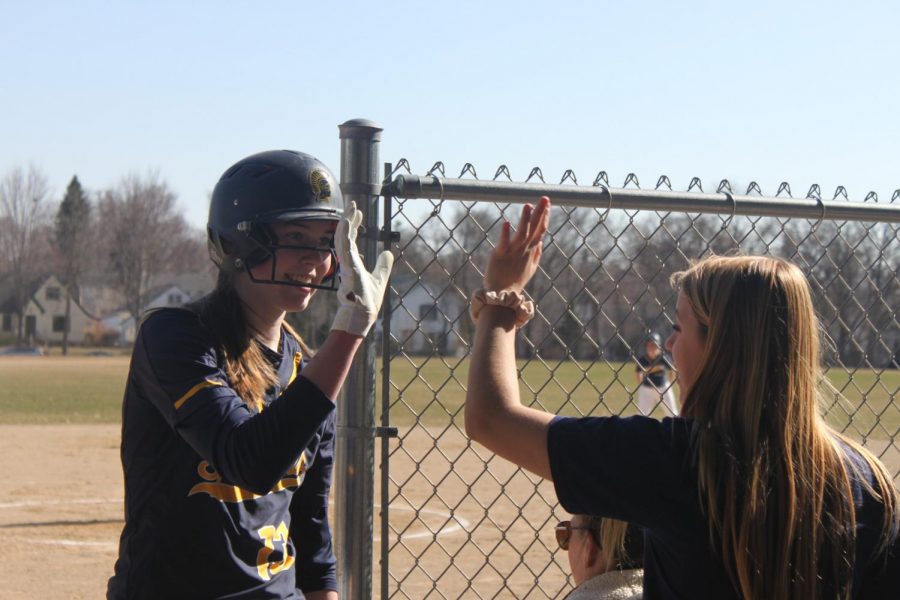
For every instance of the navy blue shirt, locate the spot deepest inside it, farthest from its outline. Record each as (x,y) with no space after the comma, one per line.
(221,501)
(636,469)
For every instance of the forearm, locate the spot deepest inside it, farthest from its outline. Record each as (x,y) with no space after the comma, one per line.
(329,367)
(322,595)
(493,378)
(258,451)
(494,415)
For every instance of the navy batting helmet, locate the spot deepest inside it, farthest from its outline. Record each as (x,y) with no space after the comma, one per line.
(269,187)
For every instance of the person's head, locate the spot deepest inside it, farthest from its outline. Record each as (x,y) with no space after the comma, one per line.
(596,545)
(745,332)
(272,218)
(271,227)
(653,345)
(745,345)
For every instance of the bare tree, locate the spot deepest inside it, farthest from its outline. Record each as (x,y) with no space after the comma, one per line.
(461,242)
(144,235)
(73,235)
(24,215)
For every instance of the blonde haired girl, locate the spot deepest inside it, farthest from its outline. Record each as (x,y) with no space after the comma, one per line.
(750,495)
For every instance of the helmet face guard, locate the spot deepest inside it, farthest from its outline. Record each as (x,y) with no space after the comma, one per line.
(266,188)
(270,252)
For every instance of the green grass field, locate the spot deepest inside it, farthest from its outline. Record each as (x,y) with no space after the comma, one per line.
(88,389)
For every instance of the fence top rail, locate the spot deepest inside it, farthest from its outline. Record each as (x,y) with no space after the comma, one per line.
(602,197)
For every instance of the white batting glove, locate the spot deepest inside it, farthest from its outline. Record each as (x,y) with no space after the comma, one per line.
(360,293)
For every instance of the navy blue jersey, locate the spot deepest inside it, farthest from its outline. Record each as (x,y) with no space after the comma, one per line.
(636,469)
(655,370)
(221,501)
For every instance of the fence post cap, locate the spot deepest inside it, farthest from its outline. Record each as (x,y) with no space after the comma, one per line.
(360,129)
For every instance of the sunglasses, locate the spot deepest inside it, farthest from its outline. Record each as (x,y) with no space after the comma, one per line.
(563,532)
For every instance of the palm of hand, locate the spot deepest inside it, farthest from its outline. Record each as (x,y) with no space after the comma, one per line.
(516,257)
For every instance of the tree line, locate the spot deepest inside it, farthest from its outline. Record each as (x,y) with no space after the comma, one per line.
(603,288)
(604,283)
(126,235)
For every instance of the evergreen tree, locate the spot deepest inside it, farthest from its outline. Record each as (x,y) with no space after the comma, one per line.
(72,234)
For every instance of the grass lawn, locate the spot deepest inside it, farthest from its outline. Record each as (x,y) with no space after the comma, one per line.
(88,389)
(62,389)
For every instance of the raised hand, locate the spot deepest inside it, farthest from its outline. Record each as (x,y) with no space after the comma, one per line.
(360,293)
(515,258)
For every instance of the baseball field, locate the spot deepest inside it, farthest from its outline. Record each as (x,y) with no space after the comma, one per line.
(462,523)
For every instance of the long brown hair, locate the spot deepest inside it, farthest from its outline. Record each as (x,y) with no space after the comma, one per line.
(248,370)
(773,477)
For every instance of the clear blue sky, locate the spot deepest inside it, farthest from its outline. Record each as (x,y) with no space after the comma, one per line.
(802,91)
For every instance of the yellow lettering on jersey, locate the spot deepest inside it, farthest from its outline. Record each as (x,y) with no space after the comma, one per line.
(190,393)
(294,477)
(270,535)
(215,487)
(298,358)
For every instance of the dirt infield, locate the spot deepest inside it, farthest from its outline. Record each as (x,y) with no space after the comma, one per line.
(61,515)
(60,510)
(466,524)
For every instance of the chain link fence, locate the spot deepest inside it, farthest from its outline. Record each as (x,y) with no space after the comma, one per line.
(457,522)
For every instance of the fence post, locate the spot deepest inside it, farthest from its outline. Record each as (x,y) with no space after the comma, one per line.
(354,492)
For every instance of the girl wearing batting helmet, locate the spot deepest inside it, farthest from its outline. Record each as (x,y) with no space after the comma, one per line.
(749,494)
(228,418)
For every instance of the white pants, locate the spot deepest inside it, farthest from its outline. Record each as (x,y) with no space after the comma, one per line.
(649,396)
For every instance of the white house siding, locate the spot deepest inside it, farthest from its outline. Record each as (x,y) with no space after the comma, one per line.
(421,323)
(49,302)
(122,322)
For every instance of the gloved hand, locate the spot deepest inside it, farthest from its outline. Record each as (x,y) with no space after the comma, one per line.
(360,293)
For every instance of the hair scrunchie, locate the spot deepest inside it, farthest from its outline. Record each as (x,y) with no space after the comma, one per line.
(516,301)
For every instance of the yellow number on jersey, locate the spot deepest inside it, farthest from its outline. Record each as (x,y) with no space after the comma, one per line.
(270,535)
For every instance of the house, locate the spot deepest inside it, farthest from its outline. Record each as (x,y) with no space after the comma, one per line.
(426,314)
(161,296)
(44,313)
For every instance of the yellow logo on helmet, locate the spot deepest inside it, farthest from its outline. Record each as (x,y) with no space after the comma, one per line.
(321,187)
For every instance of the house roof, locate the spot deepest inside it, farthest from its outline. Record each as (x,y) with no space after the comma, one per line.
(8,300)
(159,290)
(195,284)
(192,285)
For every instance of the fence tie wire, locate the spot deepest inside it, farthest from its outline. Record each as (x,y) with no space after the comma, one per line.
(821,204)
(437,209)
(730,198)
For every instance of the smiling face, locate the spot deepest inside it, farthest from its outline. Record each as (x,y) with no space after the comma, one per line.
(686,343)
(307,261)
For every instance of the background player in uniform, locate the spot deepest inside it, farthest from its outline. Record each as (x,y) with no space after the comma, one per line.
(750,495)
(652,373)
(228,419)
